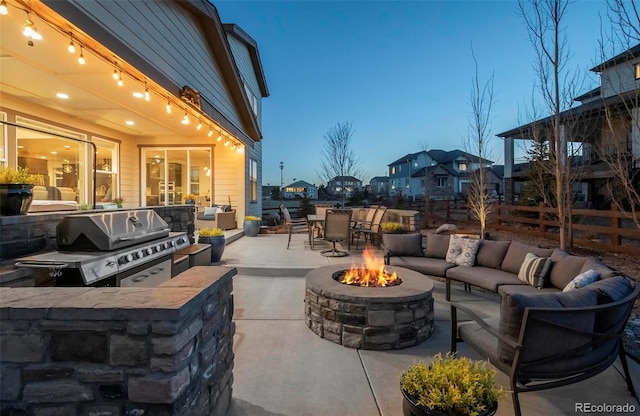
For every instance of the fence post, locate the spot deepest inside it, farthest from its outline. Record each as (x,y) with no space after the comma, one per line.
(616,239)
(541,227)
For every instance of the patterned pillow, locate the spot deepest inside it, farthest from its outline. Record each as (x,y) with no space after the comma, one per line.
(462,251)
(582,280)
(535,270)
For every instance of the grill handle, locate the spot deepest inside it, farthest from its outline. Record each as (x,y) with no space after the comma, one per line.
(41,264)
(134,238)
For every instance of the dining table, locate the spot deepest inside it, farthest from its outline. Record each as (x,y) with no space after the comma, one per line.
(316,225)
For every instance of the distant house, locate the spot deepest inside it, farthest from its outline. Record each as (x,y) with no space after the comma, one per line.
(343,185)
(606,124)
(440,174)
(299,189)
(379,187)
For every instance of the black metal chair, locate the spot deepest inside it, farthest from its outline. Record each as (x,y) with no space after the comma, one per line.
(297,226)
(553,346)
(337,227)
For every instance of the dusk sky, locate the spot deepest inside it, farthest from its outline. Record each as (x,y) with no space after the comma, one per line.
(399,71)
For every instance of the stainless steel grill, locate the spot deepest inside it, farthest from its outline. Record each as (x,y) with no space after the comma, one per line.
(122,248)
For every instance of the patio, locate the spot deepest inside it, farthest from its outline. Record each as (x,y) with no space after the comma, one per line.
(283,368)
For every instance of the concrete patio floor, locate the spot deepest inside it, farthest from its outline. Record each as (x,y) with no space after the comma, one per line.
(283,368)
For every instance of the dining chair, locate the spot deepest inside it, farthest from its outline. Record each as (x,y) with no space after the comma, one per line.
(370,229)
(337,227)
(297,226)
(321,212)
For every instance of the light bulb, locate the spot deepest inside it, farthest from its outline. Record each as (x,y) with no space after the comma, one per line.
(199,124)
(3,8)
(185,119)
(81,60)
(168,105)
(115,73)
(227,143)
(120,81)
(219,137)
(71,48)
(30,29)
(147,96)
(240,150)
(210,131)
(234,146)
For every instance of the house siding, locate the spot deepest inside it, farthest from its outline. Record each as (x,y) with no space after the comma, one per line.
(184,58)
(619,79)
(245,66)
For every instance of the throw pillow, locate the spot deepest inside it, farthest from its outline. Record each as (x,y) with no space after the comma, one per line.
(437,245)
(535,270)
(582,280)
(210,211)
(462,251)
(219,210)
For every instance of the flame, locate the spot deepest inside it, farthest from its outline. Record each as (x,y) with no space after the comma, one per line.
(370,273)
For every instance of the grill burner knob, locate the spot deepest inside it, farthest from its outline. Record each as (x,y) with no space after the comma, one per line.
(171,243)
(162,246)
(146,251)
(136,255)
(125,259)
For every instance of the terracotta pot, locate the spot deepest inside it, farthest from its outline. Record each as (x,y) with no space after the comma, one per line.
(410,408)
(15,199)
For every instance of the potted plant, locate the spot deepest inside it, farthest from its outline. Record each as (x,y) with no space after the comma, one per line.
(214,237)
(392,227)
(190,199)
(16,190)
(118,201)
(251,225)
(450,386)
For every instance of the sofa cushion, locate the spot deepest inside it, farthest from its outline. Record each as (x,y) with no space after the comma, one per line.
(582,280)
(462,251)
(424,265)
(535,270)
(610,290)
(512,308)
(604,271)
(491,253)
(565,267)
(516,254)
(521,288)
(437,245)
(403,244)
(484,277)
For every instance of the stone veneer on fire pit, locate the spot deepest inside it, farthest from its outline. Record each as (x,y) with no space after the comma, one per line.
(372,318)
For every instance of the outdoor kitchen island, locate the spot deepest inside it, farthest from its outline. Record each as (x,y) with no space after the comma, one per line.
(119,350)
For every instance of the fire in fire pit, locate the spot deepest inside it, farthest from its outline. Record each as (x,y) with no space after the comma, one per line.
(370,273)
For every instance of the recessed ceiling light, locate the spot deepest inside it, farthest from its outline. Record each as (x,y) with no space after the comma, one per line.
(138,94)
(20,147)
(43,157)
(62,96)
(67,147)
(129,123)
(54,153)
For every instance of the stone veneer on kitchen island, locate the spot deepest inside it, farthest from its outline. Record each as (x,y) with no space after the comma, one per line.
(119,351)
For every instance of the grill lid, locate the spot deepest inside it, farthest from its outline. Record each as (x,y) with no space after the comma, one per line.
(110,230)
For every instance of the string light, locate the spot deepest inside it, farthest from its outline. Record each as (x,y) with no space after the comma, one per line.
(71,48)
(199,123)
(81,60)
(115,72)
(185,119)
(220,137)
(227,142)
(3,8)
(120,81)
(147,96)
(30,29)
(210,131)
(168,105)
(240,150)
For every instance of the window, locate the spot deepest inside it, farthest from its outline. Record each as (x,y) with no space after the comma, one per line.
(253,100)
(253,179)
(415,164)
(3,140)
(462,166)
(406,183)
(441,181)
(393,170)
(637,70)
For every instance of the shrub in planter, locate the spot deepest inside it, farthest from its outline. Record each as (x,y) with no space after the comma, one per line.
(450,386)
(392,228)
(16,190)
(251,225)
(214,237)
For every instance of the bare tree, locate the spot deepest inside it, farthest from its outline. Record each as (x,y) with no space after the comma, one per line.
(557,85)
(625,16)
(339,160)
(477,142)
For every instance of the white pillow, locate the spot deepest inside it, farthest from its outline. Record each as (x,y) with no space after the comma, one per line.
(210,211)
(462,251)
(219,210)
(582,280)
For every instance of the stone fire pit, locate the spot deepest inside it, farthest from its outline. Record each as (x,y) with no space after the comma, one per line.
(373,318)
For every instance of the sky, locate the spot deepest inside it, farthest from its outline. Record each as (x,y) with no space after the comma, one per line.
(399,71)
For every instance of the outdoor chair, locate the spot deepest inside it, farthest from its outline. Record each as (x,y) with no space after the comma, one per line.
(369,229)
(321,212)
(296,226)
(337,227)
(547,340)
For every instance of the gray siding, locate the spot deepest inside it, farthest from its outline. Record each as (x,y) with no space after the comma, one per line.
(243,61)
(167,36)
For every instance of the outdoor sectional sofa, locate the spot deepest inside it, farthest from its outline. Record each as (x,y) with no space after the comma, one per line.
(566,330)
(496,265)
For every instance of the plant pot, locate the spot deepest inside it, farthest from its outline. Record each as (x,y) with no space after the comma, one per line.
(217,246)
(190,201)
(251,228)
(15,199)
(411,408)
